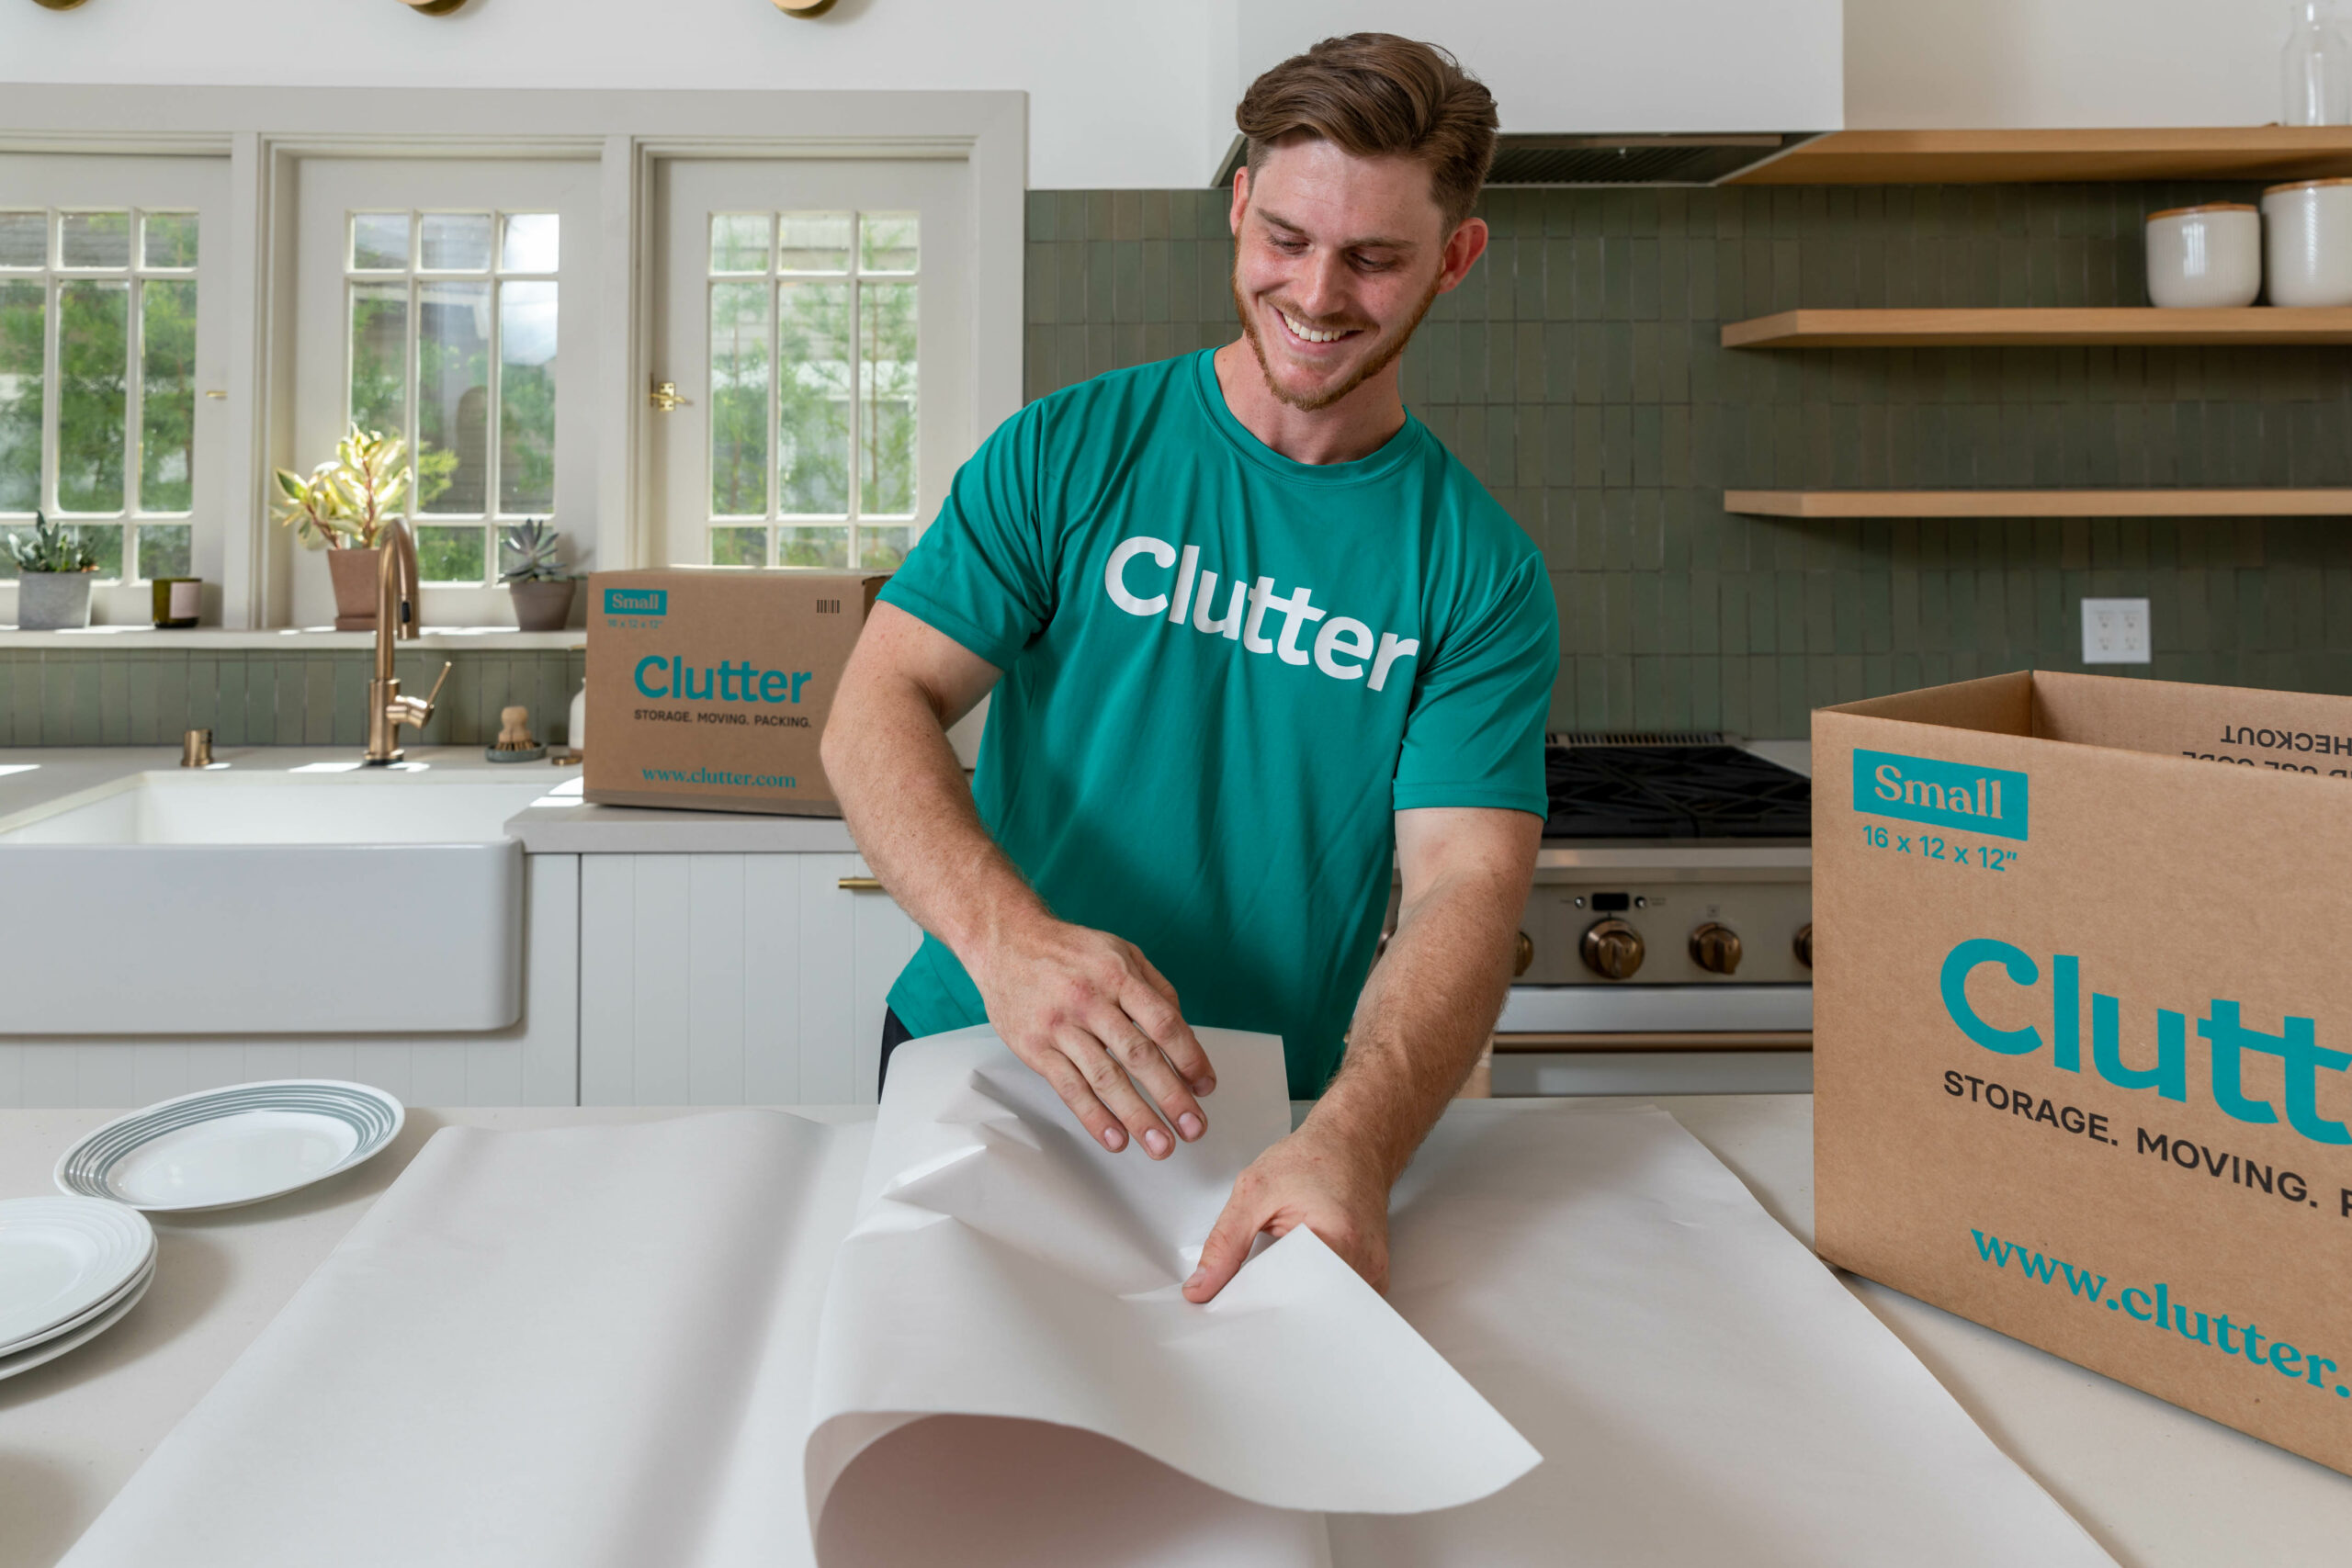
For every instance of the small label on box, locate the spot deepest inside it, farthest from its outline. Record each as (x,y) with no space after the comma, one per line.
(1944,795)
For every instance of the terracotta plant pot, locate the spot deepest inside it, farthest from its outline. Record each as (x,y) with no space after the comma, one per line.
(352,572)
(542,606)
(53,601)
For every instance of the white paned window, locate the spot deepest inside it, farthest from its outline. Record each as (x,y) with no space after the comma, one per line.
(814,369)
(449,321)
(97,382)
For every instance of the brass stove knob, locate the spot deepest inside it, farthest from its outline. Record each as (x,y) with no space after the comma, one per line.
(1612,949)
(1715,947)
(1804,944)
(1522,954)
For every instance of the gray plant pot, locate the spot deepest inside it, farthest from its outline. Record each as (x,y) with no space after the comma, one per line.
(53,601)
(542,606)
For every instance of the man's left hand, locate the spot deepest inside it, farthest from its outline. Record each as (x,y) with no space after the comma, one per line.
(1312,1178)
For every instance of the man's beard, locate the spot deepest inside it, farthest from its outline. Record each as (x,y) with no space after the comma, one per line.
(1379,360)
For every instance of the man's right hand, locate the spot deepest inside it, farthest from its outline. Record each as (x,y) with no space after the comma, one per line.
(1087,1012)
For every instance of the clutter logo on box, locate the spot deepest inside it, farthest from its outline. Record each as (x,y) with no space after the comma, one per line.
(2228,1035)
(1944,795)
(637,602)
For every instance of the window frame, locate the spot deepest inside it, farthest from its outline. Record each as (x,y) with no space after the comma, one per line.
(135,182)
(54,272)
(262,137)
(329,191)
(416,276)
(855,277)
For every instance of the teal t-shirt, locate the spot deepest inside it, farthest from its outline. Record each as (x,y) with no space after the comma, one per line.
(1224,670)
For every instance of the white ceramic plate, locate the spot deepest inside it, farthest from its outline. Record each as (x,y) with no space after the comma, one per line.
(50,1349)
(221,1148)
(61,1257)
(137,1283)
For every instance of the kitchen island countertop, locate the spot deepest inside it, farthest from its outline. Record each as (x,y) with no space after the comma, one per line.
(2158,1487)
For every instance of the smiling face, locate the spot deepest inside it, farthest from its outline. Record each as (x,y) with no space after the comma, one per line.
(1335,259)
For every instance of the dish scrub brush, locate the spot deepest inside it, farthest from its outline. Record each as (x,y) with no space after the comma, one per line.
(515,743)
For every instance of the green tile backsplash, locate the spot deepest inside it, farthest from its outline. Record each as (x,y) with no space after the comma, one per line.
(1579,372)
(151,696)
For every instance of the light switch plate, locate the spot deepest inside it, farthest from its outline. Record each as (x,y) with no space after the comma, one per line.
(2115,631)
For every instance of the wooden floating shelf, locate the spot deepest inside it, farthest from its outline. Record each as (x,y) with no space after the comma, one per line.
(2114,326)
(2039,502)
(1991,157)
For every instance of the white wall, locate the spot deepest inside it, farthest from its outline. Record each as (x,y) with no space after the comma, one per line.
(1598,65)
(1123,92)
(1139,93)
(1115,85)
(1997,63)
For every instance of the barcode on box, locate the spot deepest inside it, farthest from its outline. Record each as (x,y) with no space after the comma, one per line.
(828,606)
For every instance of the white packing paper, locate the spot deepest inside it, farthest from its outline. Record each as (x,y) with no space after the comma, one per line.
(1004,1264)
(1702,1388)
(745,1340)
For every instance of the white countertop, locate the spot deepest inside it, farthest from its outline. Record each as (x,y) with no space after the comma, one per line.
(646,830)
(35,776)
(287,638)
(50,771)
(2158,1487)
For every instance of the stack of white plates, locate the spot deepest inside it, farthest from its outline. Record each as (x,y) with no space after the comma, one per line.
(70,1270)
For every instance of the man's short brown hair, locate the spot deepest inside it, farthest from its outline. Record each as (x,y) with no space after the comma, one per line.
(1375,95)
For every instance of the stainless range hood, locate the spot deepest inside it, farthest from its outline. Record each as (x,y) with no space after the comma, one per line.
(1602,160)
(1589,92)
(1633,159)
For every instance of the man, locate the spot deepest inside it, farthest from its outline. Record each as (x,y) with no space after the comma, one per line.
(1249,629)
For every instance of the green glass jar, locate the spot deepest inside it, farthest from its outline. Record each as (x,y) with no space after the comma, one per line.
(179,600)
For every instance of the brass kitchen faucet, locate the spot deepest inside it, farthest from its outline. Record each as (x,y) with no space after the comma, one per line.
(396,598)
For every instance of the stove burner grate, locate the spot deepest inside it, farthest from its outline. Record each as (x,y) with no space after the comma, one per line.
(1673,792)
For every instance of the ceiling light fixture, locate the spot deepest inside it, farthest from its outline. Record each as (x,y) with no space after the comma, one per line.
(808,8)
(432,8)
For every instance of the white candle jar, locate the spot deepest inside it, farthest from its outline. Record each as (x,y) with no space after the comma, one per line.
(2206,257)
(2307,259)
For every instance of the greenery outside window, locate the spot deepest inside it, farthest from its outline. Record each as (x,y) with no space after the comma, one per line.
(813,377)
(97,382)
(450,319)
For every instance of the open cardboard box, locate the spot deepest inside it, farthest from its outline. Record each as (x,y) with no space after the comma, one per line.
(2082,1021)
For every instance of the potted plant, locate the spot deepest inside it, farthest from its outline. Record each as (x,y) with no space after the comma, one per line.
(344,505)
(54,570)
(541,588)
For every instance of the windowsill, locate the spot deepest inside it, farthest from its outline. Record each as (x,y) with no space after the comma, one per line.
(305,638)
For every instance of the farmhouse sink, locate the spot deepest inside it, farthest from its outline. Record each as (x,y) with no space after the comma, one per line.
(198,903)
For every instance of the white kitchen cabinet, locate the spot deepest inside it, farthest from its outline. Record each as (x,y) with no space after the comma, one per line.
(732,979)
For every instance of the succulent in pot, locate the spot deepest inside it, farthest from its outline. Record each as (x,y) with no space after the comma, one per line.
(346,503)
(54,570)
(534,577)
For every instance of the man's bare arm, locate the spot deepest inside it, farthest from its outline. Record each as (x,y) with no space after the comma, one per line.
(1066,999)
(1424,1017)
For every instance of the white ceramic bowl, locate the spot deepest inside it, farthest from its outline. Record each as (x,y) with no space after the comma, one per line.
(2308,260)
(2205,257)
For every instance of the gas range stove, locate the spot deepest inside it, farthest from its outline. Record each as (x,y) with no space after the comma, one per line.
(1673,897)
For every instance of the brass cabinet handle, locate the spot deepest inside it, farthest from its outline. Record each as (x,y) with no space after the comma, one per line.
(860,884)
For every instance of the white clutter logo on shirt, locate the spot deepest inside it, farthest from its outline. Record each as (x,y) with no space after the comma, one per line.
(1341,645)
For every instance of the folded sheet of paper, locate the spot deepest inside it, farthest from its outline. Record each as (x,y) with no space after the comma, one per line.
(954,1335)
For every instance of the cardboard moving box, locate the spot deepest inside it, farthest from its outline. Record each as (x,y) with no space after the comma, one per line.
(2083,1021)
(710,688)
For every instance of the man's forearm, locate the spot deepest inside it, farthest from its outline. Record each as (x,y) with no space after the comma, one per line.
(910,808)
(1084,1007)
(1425,1015)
